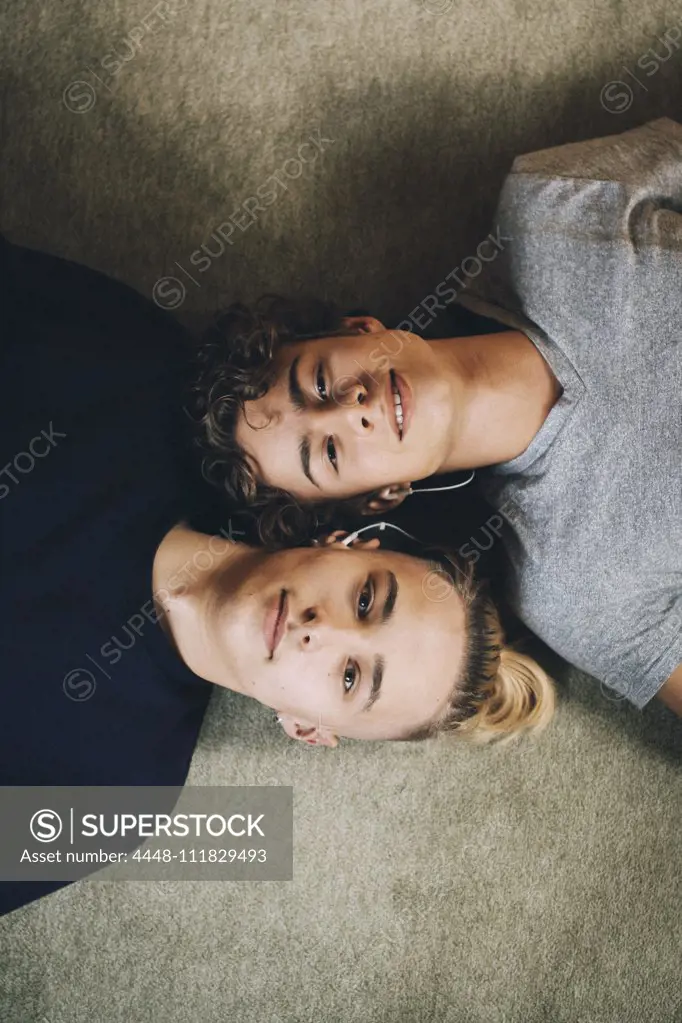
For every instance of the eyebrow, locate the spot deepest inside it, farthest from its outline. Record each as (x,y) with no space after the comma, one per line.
(391,598)
(304,452)
(296,395)
(377,679)
(297,399)
(379,662)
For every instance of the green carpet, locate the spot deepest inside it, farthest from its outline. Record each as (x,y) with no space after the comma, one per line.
(432,882)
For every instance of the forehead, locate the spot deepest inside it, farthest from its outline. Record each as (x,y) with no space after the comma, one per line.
(312,348)
(272,432)
(267,428)
(429,613)
(342,350)
(423,646)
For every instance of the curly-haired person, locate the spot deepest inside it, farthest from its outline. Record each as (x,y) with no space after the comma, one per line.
(571,411)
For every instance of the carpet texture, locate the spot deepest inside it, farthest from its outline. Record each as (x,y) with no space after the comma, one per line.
(433,882)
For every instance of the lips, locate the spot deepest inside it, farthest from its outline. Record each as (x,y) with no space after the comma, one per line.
(400,403)
(275,622)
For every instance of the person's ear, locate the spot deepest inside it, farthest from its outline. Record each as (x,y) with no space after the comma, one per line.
(312,735)
(363,324)
(387,499)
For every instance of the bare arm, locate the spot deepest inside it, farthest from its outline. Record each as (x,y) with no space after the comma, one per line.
(671,691)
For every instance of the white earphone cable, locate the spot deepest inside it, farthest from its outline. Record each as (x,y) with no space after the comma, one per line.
(435,490)
(381,526)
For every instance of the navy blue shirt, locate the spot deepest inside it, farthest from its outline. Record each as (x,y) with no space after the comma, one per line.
(94,470)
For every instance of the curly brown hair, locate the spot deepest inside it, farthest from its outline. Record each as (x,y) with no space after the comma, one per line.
(235,364)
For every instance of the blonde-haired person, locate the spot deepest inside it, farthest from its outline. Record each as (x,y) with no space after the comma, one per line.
(350,640)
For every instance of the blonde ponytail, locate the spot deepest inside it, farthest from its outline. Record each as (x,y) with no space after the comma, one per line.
(501,692)
(520,697)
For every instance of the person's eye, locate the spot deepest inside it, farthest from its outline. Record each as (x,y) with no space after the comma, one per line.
(350,676)
(366,599)
(321,384)
(331,452)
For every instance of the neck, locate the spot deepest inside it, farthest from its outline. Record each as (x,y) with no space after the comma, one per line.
(189,569)
(503,390)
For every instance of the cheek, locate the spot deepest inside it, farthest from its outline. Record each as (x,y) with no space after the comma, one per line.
(305,684)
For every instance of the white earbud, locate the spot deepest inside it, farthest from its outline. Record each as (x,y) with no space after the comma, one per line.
(381,526)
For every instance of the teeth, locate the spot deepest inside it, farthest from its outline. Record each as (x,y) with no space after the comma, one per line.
(398,409)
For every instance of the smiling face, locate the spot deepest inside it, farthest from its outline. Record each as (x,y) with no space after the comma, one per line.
(347,415)
(366,644)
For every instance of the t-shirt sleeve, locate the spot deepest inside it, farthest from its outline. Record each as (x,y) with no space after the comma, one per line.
(625,188)
(638,671)
(630,644)
(591,241)
(645,159)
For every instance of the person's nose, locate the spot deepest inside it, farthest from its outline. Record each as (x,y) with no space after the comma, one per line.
(307,630)
(312,629)
(353,404)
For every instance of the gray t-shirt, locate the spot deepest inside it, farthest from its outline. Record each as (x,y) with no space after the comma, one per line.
(591,271)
